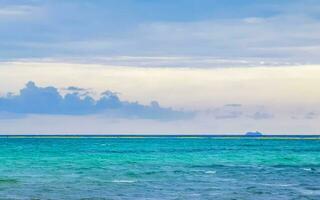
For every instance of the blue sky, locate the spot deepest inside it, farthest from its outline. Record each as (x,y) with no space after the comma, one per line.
(278,31)
(172,66)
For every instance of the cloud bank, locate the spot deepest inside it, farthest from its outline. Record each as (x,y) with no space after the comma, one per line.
(48,100)
(213,33)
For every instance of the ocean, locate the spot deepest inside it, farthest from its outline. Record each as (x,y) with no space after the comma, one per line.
(201,167)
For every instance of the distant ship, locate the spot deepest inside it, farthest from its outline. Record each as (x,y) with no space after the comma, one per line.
(254,134)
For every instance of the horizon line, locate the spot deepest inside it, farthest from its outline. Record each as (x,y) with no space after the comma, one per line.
(158,135)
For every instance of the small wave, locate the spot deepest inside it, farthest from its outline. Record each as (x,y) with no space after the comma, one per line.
(310,192)
(278,185)
(227,179)
(211,166)
(210,172)
(286,185)
(309,169)
(123,181)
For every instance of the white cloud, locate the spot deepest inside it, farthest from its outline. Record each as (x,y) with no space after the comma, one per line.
(254,20)
(288,34)
(285,38)
(17,11)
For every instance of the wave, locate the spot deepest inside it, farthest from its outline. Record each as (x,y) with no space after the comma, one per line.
(277,184)
(310,169)
(8,181)
(210,172)
(310,191)
(123,181)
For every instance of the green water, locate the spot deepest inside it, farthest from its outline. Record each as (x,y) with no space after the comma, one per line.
(159,168)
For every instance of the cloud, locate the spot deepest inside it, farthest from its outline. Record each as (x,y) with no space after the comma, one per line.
(17,12)
(47,100)
(228,111)
(261,115)
(229,115)
(75,89)
(311,115)
(227,38)
(213,33)
(305,115)
(233,105)
(239,111)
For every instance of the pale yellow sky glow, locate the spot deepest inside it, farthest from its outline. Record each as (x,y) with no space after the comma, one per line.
(274,100)
(190,88)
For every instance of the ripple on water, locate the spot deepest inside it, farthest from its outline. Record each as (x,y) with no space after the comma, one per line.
(210,172)
(310,191)
(311,169)
(6,181)
(123,181)
(277,185)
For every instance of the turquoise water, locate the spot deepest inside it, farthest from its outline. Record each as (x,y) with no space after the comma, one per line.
(159,168)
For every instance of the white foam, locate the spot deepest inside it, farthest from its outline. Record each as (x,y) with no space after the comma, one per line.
(277,185)
(310,192)
(210,172)
(123,181)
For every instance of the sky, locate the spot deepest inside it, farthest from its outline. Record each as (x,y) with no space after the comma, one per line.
(159,67)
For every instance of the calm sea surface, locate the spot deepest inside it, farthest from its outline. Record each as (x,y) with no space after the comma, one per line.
(159,168)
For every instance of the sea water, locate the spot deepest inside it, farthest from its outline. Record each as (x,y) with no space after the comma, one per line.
(159,168)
